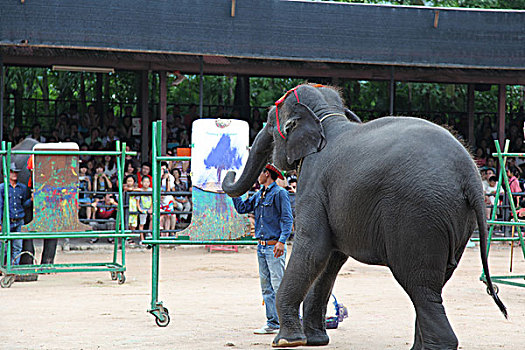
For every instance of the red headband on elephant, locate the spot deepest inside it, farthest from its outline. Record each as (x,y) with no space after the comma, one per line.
(281,100)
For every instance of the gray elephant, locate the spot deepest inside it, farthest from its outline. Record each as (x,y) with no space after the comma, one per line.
(399,192)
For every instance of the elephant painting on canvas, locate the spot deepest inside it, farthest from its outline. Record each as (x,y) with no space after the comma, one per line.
(397,191)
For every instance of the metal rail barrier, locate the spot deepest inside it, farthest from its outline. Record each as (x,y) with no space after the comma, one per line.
(120,233)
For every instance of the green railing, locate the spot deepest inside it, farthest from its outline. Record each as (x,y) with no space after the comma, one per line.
(120,234)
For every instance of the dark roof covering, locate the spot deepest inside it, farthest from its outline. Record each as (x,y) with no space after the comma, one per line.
(317,35)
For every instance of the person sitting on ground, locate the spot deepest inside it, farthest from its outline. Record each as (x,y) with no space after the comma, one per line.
(145,207)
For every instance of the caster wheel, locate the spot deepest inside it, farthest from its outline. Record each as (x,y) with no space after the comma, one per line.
(165,322)
(496,290)
(7,281)
(121,278)
(166,310)
(114,275)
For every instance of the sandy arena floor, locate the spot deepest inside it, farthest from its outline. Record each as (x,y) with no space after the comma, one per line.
(215,303)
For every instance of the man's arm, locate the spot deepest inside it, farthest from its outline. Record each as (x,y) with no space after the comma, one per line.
(286,219)
(244,206)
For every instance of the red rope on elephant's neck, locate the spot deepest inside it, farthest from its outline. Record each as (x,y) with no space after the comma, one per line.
(277,108)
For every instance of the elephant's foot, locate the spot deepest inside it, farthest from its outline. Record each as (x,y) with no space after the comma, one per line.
(316,337)
(290,341)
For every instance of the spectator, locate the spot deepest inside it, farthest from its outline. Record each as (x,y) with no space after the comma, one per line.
(36,133)
(73,113)
(292,184)
(130,185)
(183,138)
(145,171)
(125,129)
(91,168)
(144,206)
(94,138)
(74,134)
(182,202)
(110,139)
(191,116)
(130,170)
(101,182)
(167,202)
(91,117)
(490,192)
(110,169)
(128,110)
(109,119)
(84,157)
(513,173)
(105,210)
(480,158)
(84,186)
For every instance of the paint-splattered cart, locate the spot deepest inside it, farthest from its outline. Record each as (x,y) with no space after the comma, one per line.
(55,212)
(218,146)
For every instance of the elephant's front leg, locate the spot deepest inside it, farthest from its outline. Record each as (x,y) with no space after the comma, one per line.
(314,306)
(308,259)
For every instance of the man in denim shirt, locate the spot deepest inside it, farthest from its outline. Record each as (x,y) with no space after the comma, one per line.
(273,225)
(19,198)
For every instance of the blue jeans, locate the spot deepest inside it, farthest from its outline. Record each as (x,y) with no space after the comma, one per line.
(16,247)
(271,272)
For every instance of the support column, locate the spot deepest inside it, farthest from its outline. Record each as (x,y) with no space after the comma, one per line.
(2,88)
(470,114)
(502,102)
(242,96)
(163,106)
(145,117)
(201,86)
(392,91)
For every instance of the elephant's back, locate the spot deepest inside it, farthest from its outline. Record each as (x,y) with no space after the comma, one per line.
(396,167)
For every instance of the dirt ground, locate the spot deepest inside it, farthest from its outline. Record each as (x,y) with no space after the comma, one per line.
(215,303)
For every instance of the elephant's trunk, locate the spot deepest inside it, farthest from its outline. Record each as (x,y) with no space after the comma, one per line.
(259,154)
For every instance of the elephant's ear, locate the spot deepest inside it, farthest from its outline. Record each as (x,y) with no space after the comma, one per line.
(304,133)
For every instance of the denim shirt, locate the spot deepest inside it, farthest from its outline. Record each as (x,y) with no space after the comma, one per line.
(19,198)
(273,214)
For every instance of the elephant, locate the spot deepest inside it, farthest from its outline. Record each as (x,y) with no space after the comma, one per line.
(399,192)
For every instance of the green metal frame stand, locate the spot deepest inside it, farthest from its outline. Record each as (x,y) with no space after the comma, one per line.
(513,280)
(115,267)
(157,308)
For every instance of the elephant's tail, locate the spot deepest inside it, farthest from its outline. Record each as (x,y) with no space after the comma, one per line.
(479,207)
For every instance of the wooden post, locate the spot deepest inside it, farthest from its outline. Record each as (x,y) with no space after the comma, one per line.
(145,117)
(470,114)
(501,112)
(163,106)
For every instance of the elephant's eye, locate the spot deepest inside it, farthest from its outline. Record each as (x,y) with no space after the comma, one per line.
(289,126)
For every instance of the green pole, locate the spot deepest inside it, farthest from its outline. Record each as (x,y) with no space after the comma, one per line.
(121,170)
(155,223)
(6,205)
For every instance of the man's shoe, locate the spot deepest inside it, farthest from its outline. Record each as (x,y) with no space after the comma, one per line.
(266,330)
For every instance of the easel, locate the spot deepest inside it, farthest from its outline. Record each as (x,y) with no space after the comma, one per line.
(515,223)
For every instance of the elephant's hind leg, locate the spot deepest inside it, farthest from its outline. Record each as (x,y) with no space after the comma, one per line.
(433,330)
(315,303)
